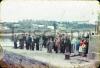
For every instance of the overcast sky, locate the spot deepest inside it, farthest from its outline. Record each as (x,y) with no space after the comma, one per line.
(15,10)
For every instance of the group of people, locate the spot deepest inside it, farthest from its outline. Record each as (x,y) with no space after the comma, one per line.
(26,41)
(60,43)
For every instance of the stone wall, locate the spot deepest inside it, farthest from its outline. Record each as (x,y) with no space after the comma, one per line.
(94,46)
(19,61)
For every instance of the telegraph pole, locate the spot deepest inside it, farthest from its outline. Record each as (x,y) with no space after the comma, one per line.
(98,25)
(98,22)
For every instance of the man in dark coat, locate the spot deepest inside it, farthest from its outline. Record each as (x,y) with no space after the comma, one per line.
(21,40)
(33,43)
(15,41)
(62,47)
(67,44)
(26,42)
(37,43)
(29,42)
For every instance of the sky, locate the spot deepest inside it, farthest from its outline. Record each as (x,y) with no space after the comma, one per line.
(15,10)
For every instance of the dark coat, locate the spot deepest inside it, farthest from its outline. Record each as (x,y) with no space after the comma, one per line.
(29,40)
(67,45)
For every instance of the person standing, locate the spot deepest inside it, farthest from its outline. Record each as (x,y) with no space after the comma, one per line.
(62,48)
(21,42)
(82,49)
(40,43)
(57,44)
(74,46)
(33,43)
(44,40)
(78,45)
(29,42)
(24,38)
(86,47)
(49,45)
(37,43)
(26,42)
(15,42)
(67,44)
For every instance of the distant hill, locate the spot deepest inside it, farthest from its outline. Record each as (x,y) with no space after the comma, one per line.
(30,25)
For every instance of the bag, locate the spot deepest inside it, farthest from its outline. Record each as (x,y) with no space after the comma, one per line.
(80,49)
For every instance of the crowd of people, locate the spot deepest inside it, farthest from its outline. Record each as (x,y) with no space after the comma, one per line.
(60,43)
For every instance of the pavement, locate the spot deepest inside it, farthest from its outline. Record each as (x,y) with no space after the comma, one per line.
(53,59)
